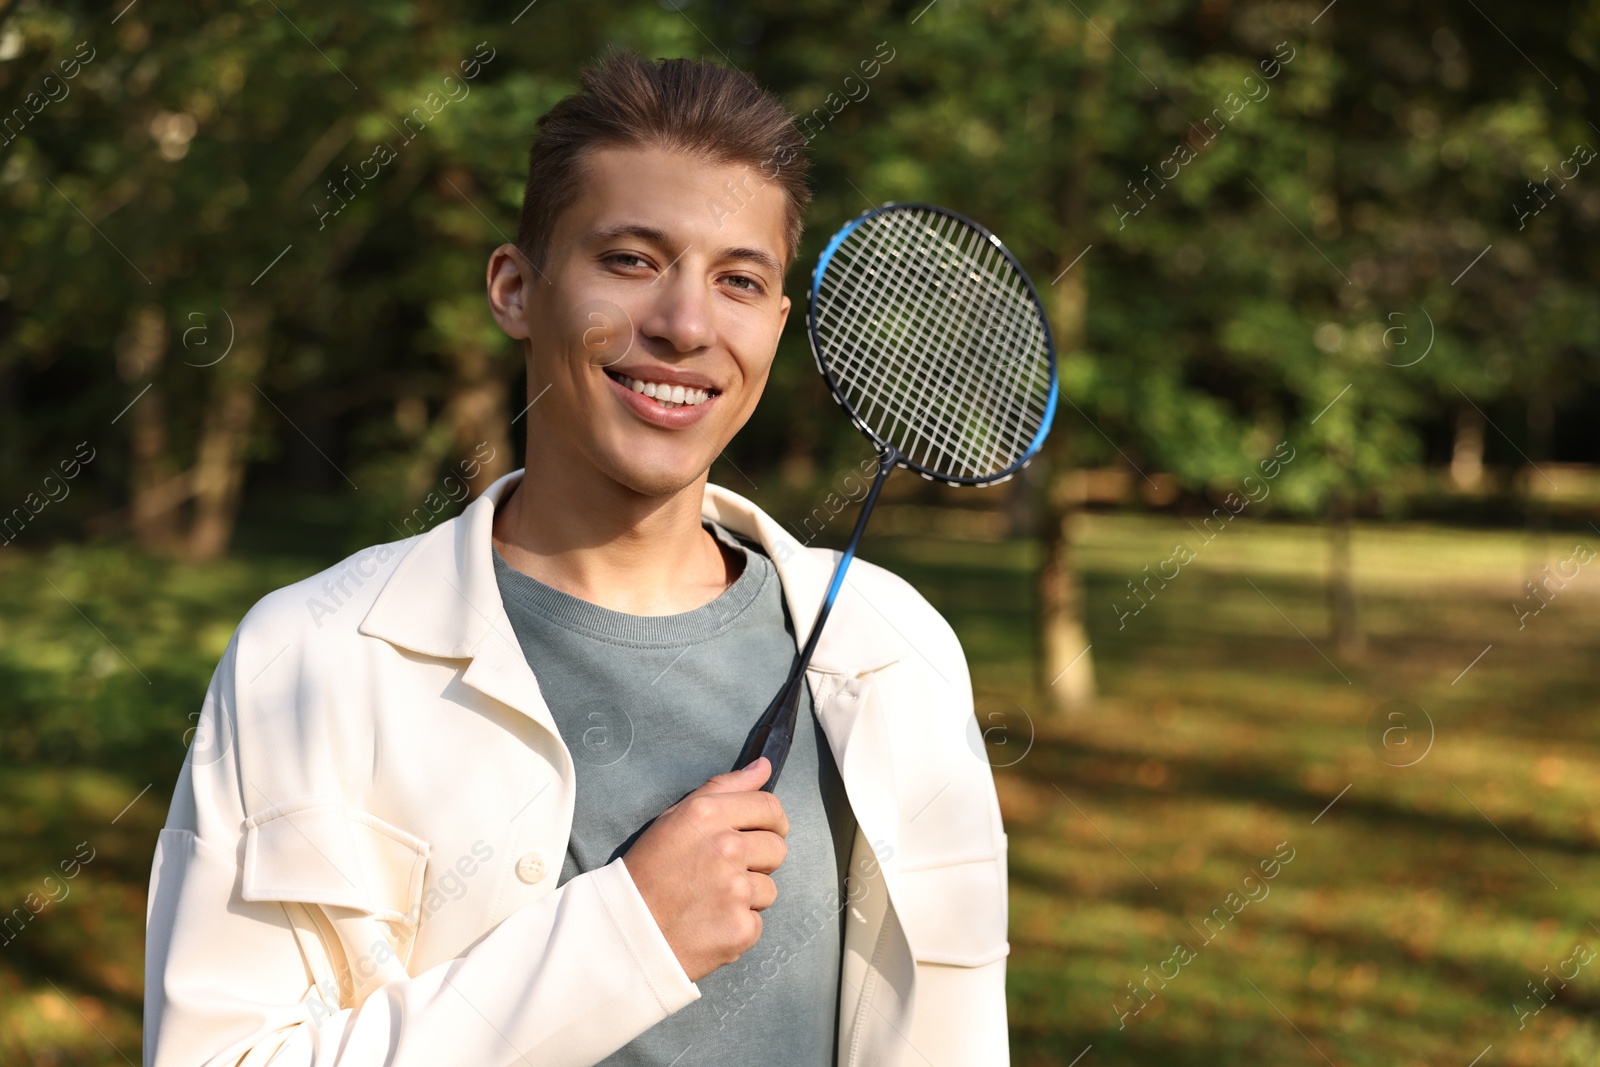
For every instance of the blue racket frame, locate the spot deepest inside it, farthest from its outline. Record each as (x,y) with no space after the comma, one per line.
(773,734)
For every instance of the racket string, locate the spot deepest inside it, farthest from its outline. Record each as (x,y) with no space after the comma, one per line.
(907,388)
(1020,314)
(913,310)
(937,436)
(958,389)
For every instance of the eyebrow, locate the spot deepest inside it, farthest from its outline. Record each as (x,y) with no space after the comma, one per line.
(659,237)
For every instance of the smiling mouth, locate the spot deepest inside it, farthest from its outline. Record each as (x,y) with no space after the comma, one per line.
(668,396)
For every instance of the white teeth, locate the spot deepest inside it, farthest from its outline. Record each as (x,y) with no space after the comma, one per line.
(668,396)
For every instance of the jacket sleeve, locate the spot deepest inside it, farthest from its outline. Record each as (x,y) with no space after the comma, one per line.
(241,977)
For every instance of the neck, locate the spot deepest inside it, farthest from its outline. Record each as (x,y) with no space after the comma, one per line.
(574,528)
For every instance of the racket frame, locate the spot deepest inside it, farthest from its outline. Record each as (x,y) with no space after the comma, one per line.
(837,391)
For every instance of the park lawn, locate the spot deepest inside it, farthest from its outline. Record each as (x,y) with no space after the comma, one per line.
(1402,928)
(1414,911)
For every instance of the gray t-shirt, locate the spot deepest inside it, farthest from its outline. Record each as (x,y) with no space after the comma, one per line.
(652,706)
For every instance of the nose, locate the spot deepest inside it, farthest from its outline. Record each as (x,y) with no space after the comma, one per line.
(679,310)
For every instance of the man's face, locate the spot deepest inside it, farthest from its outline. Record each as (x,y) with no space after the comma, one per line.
(664,277)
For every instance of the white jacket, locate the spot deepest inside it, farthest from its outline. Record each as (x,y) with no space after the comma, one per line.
(359,864)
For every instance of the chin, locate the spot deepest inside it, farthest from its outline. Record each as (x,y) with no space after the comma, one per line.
(661,477)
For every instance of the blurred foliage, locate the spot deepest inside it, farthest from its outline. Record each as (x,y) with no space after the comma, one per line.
(1252,244)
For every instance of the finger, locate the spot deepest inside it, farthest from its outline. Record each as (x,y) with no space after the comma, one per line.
(747,778)
(763,851)
(763,892)
(752,810)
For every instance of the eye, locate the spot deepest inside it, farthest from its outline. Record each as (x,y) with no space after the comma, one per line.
(626,260)
(750,285)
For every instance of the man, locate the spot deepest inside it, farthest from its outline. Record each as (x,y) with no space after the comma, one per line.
(479,810)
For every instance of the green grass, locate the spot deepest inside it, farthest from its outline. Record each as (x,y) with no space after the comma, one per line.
(1406,926)
(1402,932)
(104,658)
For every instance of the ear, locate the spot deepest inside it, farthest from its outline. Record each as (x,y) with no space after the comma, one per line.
(508,283)
(783,313)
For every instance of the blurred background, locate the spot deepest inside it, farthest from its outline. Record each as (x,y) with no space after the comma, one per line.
(1305,583)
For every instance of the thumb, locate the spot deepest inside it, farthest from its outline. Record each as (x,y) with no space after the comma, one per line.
(746,778)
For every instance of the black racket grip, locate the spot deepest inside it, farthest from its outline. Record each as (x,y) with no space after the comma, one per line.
(774,732)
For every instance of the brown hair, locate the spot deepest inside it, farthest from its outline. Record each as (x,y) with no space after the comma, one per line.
(693,106)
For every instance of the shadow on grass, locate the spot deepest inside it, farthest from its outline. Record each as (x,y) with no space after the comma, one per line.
(1081,761)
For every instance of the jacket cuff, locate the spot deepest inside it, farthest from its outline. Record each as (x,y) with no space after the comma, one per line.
(643,937)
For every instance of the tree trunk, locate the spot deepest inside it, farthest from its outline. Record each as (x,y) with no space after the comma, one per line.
(1466,457)
(1066,666)
(1342,607)
(1022,502)
(477,414)
(1067,675)
(156,492)
(1536,503)
(218,476)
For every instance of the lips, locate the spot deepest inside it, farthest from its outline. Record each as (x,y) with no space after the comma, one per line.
(667,415)
(667,394)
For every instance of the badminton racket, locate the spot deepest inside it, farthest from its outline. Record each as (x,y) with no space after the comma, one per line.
(932,339)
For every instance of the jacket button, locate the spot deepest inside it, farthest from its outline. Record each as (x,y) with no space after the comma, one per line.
(530,868)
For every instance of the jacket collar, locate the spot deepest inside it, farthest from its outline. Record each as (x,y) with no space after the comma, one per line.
(442,599)
(852,643)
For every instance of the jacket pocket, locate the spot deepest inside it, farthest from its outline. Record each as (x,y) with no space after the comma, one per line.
(352,886)
(319,851)
(955,912)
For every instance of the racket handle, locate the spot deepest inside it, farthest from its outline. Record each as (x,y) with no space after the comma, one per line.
(774,732)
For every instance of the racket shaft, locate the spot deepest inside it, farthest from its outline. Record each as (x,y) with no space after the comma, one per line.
(774,732)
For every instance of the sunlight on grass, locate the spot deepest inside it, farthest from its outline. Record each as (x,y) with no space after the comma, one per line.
(1404,930)
(1407,927)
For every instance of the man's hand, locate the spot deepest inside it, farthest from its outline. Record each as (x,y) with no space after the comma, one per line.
(704,867)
